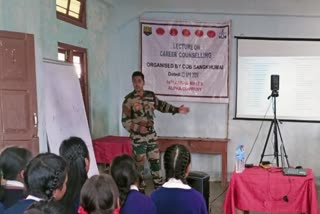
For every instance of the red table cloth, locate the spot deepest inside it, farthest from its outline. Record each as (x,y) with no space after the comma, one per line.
(268,190)
(107,148)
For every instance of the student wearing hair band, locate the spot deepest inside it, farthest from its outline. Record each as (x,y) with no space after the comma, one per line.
(12,163)
(175,196)
(99,194)
(75,152)
(126,176)
(45,178)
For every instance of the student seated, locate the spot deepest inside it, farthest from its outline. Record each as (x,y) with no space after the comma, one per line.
(45,178)
(99,194)
(176,196)
(45,207)
(12,163)
(2,208)
(126,176)
(75,152)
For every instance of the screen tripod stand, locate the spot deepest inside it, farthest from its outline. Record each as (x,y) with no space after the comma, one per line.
(276,131)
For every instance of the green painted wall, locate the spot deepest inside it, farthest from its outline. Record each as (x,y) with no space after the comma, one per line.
(38,17)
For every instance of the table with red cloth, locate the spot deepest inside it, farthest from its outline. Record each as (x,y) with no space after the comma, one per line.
(268,190)
(107,148)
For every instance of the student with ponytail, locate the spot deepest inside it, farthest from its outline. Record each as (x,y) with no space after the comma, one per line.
(75,152)
(45,178)
(126,176)
(176,196)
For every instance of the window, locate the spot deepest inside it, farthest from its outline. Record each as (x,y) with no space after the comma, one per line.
(72,11)
(77,56)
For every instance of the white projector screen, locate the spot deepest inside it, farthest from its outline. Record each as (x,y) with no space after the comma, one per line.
(296,61)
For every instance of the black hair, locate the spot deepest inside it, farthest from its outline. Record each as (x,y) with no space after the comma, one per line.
(176,160)
(137,74)
(99,195)
(74,151)
(45,207)
(44,174)
(124,172)
(12,161)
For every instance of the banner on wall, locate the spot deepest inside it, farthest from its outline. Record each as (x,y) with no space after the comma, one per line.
(186,61)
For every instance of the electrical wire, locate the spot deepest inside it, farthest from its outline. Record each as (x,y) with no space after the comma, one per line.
(255,140)
(218,196)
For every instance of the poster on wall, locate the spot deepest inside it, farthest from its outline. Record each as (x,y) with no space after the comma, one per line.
(186,61)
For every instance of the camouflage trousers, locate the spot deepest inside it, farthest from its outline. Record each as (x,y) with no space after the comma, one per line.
(146,146)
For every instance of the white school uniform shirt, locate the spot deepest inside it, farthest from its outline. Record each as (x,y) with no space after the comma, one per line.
(33,198)
(134,187)
(175,183)
(13,183)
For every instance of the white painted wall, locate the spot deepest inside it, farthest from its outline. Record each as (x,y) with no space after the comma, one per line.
(286,18)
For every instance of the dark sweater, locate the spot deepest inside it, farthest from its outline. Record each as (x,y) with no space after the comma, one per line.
(11,196)
(176,201)
(19,207)
(138,203)
(1,208)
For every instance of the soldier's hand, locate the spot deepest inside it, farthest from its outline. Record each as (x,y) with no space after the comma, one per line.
(143,130)
(183,109)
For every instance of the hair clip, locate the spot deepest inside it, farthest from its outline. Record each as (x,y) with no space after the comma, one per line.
(82,211)
(116,211)
(48,192)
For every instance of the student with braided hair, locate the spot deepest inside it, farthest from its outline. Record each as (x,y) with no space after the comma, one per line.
(99,194)
(126,176)
(45,178)
(75,152)
(45,207)
(176,196)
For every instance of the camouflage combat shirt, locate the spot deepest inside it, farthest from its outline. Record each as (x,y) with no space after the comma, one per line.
(139,111)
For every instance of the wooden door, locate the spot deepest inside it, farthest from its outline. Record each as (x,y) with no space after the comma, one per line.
(18,104)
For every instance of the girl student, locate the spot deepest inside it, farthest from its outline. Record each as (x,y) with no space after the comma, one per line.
(12,163)
(126,176)
(99,195)
(176,196)
(45,178)
(75,152)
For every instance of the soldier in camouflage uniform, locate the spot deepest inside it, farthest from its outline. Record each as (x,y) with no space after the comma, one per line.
(138,119)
